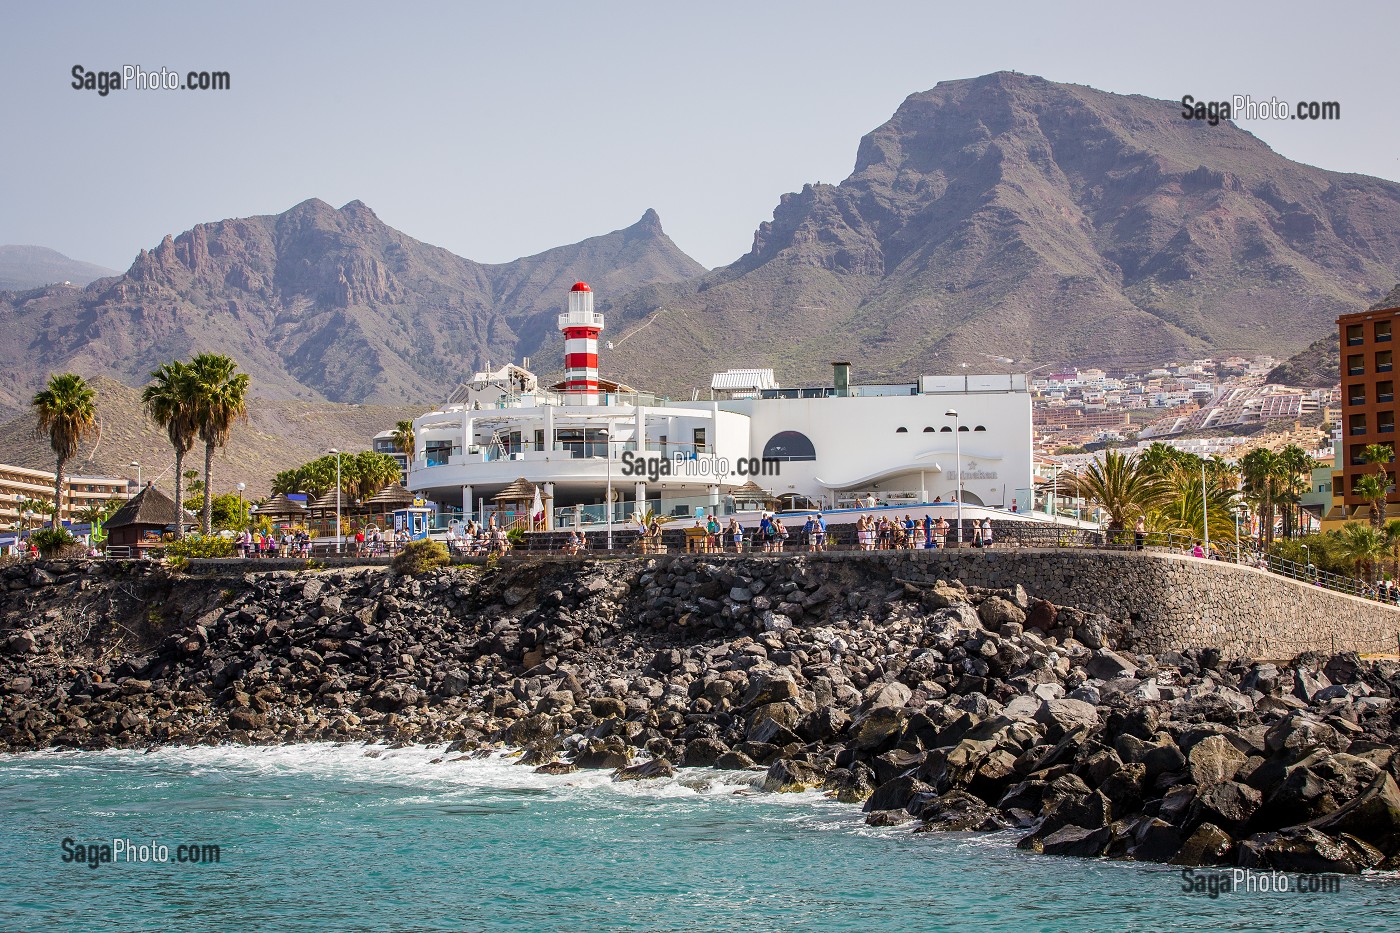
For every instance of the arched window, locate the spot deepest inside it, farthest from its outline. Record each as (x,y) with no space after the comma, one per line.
(789,445)
(901,430)
(963,428)
(979,428)
(945,430)
(928,430)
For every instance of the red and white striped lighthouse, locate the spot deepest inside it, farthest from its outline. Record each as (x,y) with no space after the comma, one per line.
(581,326)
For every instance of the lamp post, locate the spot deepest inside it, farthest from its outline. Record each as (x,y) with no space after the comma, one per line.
(607,496)
(337,498)
(138,475)
(1054,492)
(957,455)
(1205,515)
(1237,535)
(1307,561)
(242,519)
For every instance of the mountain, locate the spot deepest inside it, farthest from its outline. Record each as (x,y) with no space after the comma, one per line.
(1011,216)
(23,267)
(319,304)
(1319,365)
(278,435)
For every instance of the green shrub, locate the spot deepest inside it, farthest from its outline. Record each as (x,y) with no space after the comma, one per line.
(56,542)
(516,537)
(199,546)
(421,556)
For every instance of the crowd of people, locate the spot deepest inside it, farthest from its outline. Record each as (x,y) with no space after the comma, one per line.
(473,539)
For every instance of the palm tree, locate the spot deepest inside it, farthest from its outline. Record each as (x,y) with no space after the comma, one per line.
(1182,511)
(1364,546)
(64,411)
(1380,455)
(222,401)
(1119,486)
(1261,470)
(172,401)
(1370,488)
(403,438)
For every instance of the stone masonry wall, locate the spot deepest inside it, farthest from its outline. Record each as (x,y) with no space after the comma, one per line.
(1175,601)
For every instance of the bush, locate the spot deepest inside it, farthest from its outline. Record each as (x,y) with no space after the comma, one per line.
(56,542)
(421,556)
(516,537)
(200,546)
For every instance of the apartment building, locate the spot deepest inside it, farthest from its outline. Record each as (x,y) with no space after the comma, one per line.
(1368,394)
(20,485)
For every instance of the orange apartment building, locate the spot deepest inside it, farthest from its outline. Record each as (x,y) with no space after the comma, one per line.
(1368,396)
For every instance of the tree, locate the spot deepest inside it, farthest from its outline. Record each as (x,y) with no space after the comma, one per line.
(371,472)
(1371,488)
(1120,487)
(1261,470)
(1379,455)
(172,401)
(1364,546)
(1183,512)
(403,438)
(222,394)
(230,511)
(64,411)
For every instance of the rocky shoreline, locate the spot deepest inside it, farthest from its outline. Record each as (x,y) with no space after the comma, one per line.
(929,703)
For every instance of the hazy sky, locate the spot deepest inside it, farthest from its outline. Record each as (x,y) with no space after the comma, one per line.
(499,130)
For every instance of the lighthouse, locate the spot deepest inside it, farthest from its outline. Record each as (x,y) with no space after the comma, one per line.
(581,326)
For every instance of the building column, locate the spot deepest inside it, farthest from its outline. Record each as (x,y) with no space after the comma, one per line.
(468,429)
(549,502)
(713,492)
(641,494)
(640,432)
(466,502)
(549,429)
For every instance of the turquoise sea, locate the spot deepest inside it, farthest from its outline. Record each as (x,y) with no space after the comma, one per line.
(352,838)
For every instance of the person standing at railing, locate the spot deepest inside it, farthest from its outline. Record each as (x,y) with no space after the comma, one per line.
(986,532)
(1198,551)
(1140,533)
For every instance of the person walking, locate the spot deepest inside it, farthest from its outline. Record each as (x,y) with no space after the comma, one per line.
(986,532)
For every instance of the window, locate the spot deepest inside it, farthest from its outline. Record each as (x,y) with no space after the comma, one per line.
(1384,361)
(1382,332)
(1355,364)
(1385,422)
(964,428)
(700,447)
(945,430)
(1354,336)
(789,445)
(1356,395)
(979,428)
(1385,391)
(928,430)
(901,430)
(1357,425)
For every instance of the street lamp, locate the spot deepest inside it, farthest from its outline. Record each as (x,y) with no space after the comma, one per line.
(337,498)
(1307,561)
(138,474)
(607,455)
(241,517)
(1054,509)
(957,455)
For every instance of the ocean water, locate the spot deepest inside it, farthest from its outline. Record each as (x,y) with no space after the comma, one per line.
(351,838)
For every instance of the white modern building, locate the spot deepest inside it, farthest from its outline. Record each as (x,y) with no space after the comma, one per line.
(588,438)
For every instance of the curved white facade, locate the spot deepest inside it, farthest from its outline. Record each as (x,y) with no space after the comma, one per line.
(893,442)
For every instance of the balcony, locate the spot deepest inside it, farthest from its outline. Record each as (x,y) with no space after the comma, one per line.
(1384,367)
(580,319)
(1383,338)
(1383,397)
(1354,341)
(1385,429)
(1356,370)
